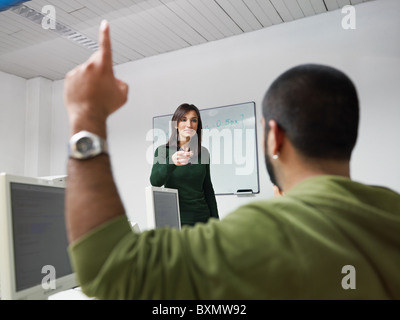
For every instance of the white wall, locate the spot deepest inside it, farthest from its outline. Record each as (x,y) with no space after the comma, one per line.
(25,125)
(12,123)
(38,126)
(240,69)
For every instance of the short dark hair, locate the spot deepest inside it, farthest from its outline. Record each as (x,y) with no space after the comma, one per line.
(176,118)
(317,108)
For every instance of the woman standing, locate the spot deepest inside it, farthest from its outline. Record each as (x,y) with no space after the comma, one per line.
(184,164)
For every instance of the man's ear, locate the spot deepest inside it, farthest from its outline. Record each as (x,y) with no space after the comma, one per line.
(275,138)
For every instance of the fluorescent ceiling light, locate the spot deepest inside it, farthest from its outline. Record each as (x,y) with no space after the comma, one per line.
(61,29)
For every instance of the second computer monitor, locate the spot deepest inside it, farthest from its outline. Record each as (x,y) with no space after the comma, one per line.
(162,208)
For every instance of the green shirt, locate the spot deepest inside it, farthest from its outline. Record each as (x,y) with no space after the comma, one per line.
(197,201)
(292,247)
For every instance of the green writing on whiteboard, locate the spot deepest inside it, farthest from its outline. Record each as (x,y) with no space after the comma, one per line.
(227,123)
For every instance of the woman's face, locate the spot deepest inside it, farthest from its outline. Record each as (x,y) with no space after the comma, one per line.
(187,125)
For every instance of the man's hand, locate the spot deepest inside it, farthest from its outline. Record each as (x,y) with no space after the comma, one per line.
(91,92)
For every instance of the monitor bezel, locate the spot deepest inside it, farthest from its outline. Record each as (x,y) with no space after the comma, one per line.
(151,219)
(7,261)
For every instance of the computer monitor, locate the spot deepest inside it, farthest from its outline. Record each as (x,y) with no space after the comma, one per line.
(34,261)
(162,206)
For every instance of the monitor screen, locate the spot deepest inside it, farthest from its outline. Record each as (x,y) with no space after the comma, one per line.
(166,209)
(162,207)
(34,240)
(38,233)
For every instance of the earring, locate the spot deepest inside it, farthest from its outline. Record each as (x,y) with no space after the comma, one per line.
(275,156)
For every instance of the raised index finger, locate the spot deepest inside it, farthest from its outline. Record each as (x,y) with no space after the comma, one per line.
(105,43)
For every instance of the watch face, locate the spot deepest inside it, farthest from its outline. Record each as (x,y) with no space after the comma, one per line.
(84,144)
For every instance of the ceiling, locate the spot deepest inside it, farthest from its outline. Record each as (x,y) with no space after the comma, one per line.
(139,28)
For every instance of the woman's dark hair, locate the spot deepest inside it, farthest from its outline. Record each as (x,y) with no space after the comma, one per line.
(195,141)
(317,108)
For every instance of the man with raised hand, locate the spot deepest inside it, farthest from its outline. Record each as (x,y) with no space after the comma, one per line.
(326,237)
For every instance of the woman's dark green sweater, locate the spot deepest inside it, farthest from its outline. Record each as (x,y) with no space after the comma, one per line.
(197,201)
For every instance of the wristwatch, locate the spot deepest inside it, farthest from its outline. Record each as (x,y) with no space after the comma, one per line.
(86,145)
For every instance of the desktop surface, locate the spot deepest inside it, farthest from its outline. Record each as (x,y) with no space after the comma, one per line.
(70,294)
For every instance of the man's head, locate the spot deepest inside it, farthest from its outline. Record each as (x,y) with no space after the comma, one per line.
(315,108)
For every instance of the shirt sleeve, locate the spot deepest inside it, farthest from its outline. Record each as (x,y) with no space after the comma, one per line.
(207,261)
(161,167)
(114,263)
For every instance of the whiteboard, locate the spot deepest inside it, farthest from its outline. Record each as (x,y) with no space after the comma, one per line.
(230,135)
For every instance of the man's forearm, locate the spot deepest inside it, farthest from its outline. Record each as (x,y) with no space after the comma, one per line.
(91,94)
(92,197)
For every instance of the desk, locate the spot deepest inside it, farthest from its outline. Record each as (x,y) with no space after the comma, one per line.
(71,294)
